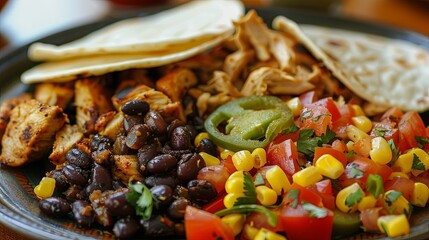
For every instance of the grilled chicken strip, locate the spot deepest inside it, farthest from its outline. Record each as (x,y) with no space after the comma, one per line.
(6,109)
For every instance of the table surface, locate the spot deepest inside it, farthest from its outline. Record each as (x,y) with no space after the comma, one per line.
(23,21)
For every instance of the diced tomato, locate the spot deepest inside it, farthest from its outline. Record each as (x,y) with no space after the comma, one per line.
(324,186)
(339,146)
(308,97)
(324,190)
(339,126)
(357,171)
(362,146)
(304,194)
(422,177)
(369,218)
(315,117)
(383,170)
(285,155)
(393,115)
(282,137)
(215,205)
(229,164)
(298,224)
(410,126)
(200,224)
(404,185)
(387,129)
(319,151)
(260,220)
(331,106)
(216,175)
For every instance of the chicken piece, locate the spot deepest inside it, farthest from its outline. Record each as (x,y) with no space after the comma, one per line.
(54,94)
(273,81)
(103,120)
(125,168)
(282,50)
(236,63)
(114,127)
(92,99)
(176,82)
(6,109)
(30,134)
(208,103)
(157,100)
(65,139)
(221,83)
(134,77)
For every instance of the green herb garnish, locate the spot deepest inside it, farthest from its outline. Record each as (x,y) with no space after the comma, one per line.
(141,199)
(374,185)
(354,198)
(248,191)
(293,195)
(314,211)
(307,142)
(248,208)
(417,163)
(421,141)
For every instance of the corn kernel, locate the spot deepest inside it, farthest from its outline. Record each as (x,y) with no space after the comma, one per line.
(397,203)
(394,225)
(354,133)
(230,198)
(363,123)
(307,176)
(235,221)
(200,137)
(265,195)
(226,153)
(422,156)
(367,202)
(45,188)
(277,179)
(358,110)
(295,105)
(329,166)
(350,145)
(380,151)
(243,160)
(342,196)
(398,174)
(234,185)
(420,194)
(249,231)
(259,157)
(265,234)
(404,162)
(209,159)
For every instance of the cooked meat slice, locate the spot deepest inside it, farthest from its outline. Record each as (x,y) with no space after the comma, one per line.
(114,127)
(92,99)
(54,94)
(282,50)
(134,77)
(103,120)
(236,63)
(221,83)
(6,109)
(65,139)
(176,82)
(125,168)
(30,133)
(208,103)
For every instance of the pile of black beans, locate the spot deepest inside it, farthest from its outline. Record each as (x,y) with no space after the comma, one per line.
(168,164)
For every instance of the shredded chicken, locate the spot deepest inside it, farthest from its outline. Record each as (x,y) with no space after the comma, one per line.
(175,83)
(54,94)
(235,64)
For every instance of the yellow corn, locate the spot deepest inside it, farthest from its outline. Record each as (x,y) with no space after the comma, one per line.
(380,151)
(350,145)
(209,159)
(398,206)
(45,188)
(230,198)
(358,110)
(355,133)
(265,234)
(367,202)
(235,221)
(225,153)
(404,163)
(329,166)
(243,160)
(394,225)
(265,195)
(363,123)
(398,174)
(249,231)
(420,194)
(340,201)
(259,157)
(235,183)
(277,179)
(422,156)
(307,176)
(200,137)
(295,105)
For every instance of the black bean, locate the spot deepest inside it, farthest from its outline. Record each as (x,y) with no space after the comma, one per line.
(131,121)
(166,149)
(75,192)
(79,158)
(158,226)
(101,179)
(189,165)
(83,213)
(60,180)
(162,164)
(177,208)
(163,196)
(173,125)
(126,228)
(54,206)
(202,191)
(120,147)
(97,139)
(161,179)
(75,175)
(181,192)
(103,153)
(206,145)
(135,107)
(145,154)
(117,205)
(137,136)
(192,130)
(180,138)
(156,123)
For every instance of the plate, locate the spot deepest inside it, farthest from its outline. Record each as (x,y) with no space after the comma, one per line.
(19,205)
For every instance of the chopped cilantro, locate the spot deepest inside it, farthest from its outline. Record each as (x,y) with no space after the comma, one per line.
(383,226)
(394,149)
(307,142)
(354,171)
(141,199)
(374,185)
(421,141)
(248,208)
(314,211)
(417,163)
(248,190)
(380,132)
(350,154)
(293,195)
(306,114)
(354,198)
(392,196)
(259,180)
(291,129)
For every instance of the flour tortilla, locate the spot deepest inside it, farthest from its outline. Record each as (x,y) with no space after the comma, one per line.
(69,69)
(382,71)
(185,24)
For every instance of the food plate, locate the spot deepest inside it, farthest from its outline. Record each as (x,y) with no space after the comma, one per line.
(18,204)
